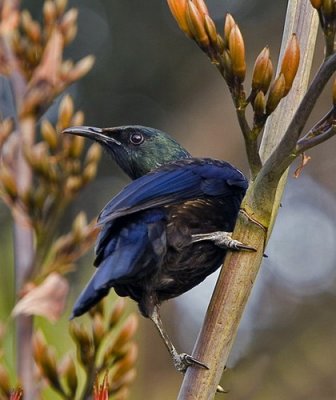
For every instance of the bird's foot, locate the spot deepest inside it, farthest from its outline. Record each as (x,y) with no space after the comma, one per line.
(183,361)
(222,239)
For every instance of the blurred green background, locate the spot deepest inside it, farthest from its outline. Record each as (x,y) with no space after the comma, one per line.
(147,72)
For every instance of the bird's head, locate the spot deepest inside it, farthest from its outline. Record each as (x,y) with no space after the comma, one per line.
(136,149)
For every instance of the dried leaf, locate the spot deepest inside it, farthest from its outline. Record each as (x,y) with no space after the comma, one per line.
(304,161)
(47,299)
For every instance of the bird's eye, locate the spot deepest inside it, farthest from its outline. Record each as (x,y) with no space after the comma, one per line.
(136,138)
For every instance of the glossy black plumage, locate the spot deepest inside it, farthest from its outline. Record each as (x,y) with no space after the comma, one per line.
(167,230)
(144,249)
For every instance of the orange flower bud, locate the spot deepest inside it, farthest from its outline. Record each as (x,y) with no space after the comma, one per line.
(290,62)
(268,77)
(237,52)
(89,172)
(93,154)
(61,6)
(48,364)
(4,380)
(81,68)
(259,104)
(78,226)
(195,22)
(201,7)
(277,92)
(126,379)
(116,313)
(228,25)
(49,12)
(98,330)
(39,345)
(127,332)
(70,374)
(210,28)
(76,146)
(7,180)
(49,134)
(126,363)
(220,44)
(65,112)
(316,3)
(178,8)
(227,63)
(77,119)
(260,69)
(73,184)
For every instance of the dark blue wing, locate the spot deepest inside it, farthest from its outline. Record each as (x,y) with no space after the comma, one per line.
(132,249)
(176,182)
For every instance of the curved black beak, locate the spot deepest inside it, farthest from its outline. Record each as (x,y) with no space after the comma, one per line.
(98,134)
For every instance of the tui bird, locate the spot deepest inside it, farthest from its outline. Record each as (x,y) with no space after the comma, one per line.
(166,231)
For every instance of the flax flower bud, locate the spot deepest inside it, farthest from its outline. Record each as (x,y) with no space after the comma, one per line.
(98,330)
(210,28)
(49,12)
(65,111)
(127,332)
(228,25)
(7,180)
(268,77)
(69,371)
(237,52)
(49,134)
(290,62)
(117,312)
(260,76)
(195,22)
(178,8)
(259,104)
(201,6)
(277,92)
(316,4)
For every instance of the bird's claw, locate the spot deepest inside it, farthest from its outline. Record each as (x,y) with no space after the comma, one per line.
(222,239)
(183,361)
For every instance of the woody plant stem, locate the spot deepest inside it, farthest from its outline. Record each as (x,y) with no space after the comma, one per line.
(256,219)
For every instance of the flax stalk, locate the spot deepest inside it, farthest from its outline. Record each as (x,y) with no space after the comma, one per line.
(240,269)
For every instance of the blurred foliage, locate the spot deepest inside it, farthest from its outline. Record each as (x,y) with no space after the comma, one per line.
(41,174)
